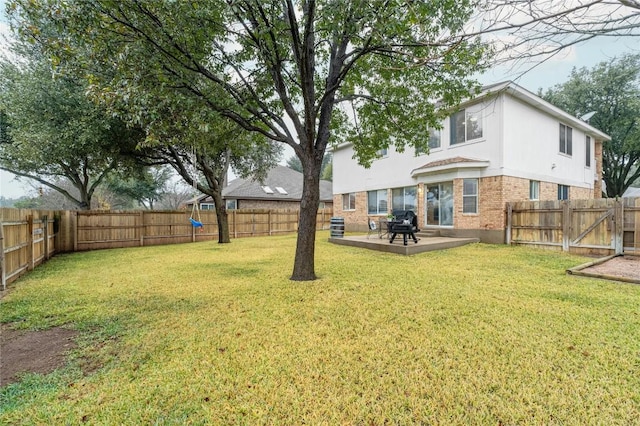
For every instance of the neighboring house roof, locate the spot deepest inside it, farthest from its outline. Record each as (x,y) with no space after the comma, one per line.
(281,183)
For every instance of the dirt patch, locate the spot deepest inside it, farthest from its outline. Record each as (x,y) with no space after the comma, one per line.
(33,351)
(621,267)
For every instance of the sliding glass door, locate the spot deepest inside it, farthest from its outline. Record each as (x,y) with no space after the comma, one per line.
(439,202)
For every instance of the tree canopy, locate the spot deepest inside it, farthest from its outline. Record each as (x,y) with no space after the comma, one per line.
(51,131)
(611,90)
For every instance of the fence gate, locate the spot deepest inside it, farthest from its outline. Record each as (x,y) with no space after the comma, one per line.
(599,226)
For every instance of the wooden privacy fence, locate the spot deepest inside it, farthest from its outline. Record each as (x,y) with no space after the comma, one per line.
(28,237)
(597,226)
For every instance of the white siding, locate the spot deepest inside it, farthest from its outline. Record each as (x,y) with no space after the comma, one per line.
(518,140)
(532,147)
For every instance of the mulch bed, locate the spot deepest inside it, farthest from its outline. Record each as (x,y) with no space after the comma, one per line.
(619,268)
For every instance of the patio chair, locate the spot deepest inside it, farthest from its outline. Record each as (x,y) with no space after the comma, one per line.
(373,228)
(383,228)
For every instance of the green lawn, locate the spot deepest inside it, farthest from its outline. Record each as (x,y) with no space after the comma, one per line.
(217,334)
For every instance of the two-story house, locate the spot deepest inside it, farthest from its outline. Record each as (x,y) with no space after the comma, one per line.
(506,144)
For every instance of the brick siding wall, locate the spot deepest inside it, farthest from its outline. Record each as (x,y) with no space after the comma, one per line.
(493,194)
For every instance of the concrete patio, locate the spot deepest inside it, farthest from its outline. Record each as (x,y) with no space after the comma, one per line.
(424,244)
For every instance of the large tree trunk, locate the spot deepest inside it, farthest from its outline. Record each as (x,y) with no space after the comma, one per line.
(222,217)
(304,265)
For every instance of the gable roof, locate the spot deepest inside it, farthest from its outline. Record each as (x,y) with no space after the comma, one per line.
(538,103)
(518,92)
(284,184)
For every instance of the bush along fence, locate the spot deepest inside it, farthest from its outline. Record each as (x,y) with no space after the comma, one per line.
(29,237)
(598,226)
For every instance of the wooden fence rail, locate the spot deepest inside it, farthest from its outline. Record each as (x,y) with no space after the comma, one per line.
(598,226)
(29,237)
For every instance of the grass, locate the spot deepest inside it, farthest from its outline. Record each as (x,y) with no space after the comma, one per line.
(217,334)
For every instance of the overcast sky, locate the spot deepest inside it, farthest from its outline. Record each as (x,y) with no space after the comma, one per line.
(554,71)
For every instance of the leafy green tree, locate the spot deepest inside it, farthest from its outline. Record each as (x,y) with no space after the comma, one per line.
(146,187)
(303,73)
(200,145)
(294,163)
(611,90)
(326,170)
(51,131)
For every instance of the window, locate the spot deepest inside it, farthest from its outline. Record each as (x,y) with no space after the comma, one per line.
(377,201)
(563,192)
(232,204)
(382,153)
(349,201)
(433,142)
(434,138)
(470,196)
(267,189)
(465,126)
(207,206)
(587,150)
(404,198)
(566,139)
(281,190)
(534,190)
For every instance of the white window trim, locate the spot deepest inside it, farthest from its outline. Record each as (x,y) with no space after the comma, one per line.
(537,184)
(378,212)
(566,140)
(467,113)
(476,196)
(349,209)
(588,152)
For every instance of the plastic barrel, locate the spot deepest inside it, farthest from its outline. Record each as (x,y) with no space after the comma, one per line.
(337,227)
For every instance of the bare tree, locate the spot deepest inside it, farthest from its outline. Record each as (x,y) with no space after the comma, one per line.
(528,32)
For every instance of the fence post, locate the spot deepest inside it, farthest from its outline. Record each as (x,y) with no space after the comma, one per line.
(269,219)
(2,261)
(509,223)
(235,230)
(45,235)
(30,243)
(566,225)
(141,228)
(618,221)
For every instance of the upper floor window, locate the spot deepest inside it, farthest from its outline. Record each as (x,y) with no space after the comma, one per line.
(432,143)
(382,153)
(587,150)
(566,139)
(349,201)
(465,126)
(534,190)
(470,196)
(377,201)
